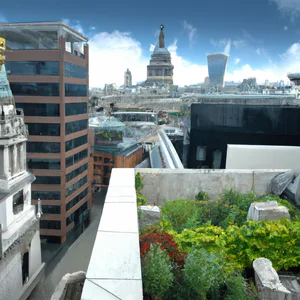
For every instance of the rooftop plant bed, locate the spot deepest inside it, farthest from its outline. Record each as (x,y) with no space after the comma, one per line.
(204,249)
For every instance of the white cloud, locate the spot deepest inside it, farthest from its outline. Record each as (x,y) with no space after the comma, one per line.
(239,43)
(290,8)
(74,24)
(112,53)
(191,31)
(92,27)
(258,51)
(227,47)
(285,28)
(237,60)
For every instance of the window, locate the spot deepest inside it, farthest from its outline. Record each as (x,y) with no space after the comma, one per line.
(71,160)
(79,215)
(35,195)
(41,110)
(51,209)
(25,267)
(44,163)
(77,199)
(43,147)
(75,90)
(77,185)
(44,129)
(76,172)
(72,144)
(32,67)
(74,108)
(47,180)
(75,126)
(74,71)
(34,89)
(45,224)
(18,202)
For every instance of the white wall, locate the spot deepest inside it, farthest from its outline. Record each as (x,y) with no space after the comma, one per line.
(35,256)
(7,217)
(263,157)
(11,278)
(169,185)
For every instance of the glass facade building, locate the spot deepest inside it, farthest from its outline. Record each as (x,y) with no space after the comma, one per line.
(216,69)
(52,89)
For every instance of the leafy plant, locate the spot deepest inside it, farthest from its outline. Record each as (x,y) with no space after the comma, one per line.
(141,200)
(157,272)
(181,214)
(166,242)
(202,196)
(278,241)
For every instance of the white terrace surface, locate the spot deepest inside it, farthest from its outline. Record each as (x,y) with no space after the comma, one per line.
(114,270)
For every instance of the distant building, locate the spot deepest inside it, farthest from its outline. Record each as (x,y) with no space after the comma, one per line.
(160,69)
(216,69)
(21,264)
(206,81)
(127,78)
(111,148)
(281,83)
(267,83)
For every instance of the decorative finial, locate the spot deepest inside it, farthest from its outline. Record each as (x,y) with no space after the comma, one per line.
(161,37)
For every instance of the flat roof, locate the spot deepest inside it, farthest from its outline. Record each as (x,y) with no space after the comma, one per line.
(42,26)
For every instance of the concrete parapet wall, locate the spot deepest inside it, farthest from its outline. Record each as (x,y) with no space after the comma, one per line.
(167,184)
(114,271)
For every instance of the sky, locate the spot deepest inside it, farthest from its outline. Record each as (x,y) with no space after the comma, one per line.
(260,36)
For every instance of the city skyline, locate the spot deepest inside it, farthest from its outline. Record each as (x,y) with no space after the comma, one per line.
(267,48)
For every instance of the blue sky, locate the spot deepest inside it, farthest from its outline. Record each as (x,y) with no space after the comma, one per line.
(261,36)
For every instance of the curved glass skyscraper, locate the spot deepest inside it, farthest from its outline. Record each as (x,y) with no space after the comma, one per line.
(216,68)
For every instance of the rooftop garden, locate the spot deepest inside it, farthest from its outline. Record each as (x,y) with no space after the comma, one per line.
(204,249)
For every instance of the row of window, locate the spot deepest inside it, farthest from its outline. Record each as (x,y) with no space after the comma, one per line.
(79,215)
(75,143)
(77,199)
(71,160)
(45,224)
(50,195)
(51,109)
(44,163)
(51,209)
(77,185)
(42,147)
(44,129)
(54,129)
(47,89)
(75,126)
(47,147)
(76,172)
(44,68)
(47,180)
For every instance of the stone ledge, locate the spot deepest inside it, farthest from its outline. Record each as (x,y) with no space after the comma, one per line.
(114,271)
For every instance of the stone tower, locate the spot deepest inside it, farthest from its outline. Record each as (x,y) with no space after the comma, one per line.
(13,137)
(160,69)
(20,247)
(127,78)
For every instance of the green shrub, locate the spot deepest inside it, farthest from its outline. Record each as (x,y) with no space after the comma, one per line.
(157,272)
(202,196)
(181,214)
(276,240)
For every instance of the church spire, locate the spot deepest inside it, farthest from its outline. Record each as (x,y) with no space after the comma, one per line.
(161,37)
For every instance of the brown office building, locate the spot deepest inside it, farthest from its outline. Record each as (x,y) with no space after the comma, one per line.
(48,73)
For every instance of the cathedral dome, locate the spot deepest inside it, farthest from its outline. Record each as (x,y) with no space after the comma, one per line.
(160,51)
